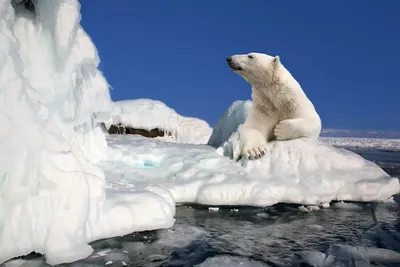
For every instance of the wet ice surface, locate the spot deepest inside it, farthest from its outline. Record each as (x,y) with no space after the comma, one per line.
(346,234)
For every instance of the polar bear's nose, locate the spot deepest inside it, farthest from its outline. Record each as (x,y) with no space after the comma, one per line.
(229,59)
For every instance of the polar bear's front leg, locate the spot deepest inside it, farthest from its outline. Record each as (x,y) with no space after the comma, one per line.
(296,128)
(254,134)
(253,143)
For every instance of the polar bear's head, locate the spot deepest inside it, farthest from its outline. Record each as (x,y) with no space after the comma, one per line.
(255,67)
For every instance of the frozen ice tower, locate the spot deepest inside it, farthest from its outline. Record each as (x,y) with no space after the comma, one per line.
(50,94)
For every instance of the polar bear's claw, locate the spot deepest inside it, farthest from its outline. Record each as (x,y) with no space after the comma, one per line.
(255,153)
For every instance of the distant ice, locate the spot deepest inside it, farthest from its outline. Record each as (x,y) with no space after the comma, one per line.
(363,143)
(342,133)
(149,114)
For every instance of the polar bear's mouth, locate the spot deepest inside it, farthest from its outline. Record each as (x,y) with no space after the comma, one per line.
(234,66)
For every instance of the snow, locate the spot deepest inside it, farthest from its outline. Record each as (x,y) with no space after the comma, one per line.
(235,115)
(144,114)
(149,114)
(63,185)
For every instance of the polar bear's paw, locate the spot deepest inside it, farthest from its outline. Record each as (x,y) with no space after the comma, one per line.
(288,130)
(253,150)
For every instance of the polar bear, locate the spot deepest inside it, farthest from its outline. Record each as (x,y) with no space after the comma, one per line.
(280,111)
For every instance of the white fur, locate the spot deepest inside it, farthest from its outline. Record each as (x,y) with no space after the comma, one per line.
(280,111)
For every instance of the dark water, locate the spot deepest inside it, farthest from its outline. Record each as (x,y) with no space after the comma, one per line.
(389,161)
(347,234)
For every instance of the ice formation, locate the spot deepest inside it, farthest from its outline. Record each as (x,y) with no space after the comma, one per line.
(53,197)
(149,114)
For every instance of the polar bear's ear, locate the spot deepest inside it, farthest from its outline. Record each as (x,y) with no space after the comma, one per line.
(276,60)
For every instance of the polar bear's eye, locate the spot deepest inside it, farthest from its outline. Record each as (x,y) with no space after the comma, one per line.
(250,56)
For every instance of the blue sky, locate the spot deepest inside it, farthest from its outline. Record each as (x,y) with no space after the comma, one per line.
(345,54)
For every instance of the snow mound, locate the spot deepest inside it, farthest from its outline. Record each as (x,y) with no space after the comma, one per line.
(145,114)
(150,114)
(193,131)
(53,199)
(235,115)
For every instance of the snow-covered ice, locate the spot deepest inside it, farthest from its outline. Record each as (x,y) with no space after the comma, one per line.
(148,114)
(298,171)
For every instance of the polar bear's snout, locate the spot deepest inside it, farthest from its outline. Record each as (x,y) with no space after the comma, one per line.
(232,64)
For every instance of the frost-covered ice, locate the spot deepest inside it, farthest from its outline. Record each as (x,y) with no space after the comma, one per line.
(53,198)
(149,114)
(363,143)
